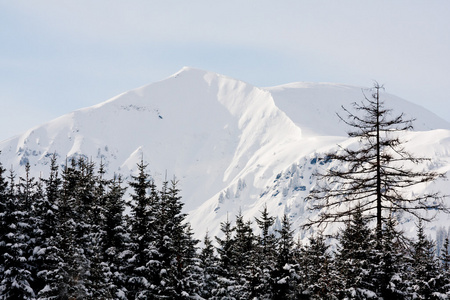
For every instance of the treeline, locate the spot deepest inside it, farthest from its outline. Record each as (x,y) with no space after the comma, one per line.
(73,235)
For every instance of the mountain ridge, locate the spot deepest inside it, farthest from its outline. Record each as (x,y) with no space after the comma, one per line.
(233,146)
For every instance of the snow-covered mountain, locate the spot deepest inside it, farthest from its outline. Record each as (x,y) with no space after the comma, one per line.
(234,147)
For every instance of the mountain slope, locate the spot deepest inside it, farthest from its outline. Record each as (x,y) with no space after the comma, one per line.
(313,107)
(233,146)
(200,126)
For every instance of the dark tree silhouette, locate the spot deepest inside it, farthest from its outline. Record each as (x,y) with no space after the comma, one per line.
(375,175)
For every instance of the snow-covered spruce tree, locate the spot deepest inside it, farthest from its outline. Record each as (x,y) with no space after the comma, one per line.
(424,269)
(29,192)
(72,253)
(71,266)
(16,277)
(265,255)
(391,263)
(243,268)
(33,198)
(283,285)
(224,249)
(376,174)
(49,257)
(99,281)
(86,230)
(266,239)
(179,274)
(143,234)
(445,267)
(45,214)
(71,263)
(190,272)
(116,238)
(445,256)
(3,217)
(209,268)
(316,268)
(355,258)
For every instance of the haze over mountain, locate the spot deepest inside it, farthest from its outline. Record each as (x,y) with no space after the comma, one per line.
(233,147)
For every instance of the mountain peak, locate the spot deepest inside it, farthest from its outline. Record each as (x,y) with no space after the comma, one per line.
(232,145)
(192,72)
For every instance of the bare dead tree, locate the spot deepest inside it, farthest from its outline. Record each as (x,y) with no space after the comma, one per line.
(377,174)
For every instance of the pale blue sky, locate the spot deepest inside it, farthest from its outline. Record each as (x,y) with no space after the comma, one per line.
(57,56)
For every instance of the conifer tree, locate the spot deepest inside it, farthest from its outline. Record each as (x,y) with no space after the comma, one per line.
(49,257)
(283,283)
(391,264)
(46,209)
(116,238)
(16,279)
(225,251)
(318,277)
(99,282)
(266,239)
(265,254)
(424,266)
(66,280)
(3,217)
(177,250)
(209,267)
(37,233)
(445,268)
(445,256)
(243,267)
(98,195)
(29,193)
(189,270)
(86,236)
(142,236)
(375,175)
(355,257)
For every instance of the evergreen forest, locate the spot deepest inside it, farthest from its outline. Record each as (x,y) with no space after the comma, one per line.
(75,235)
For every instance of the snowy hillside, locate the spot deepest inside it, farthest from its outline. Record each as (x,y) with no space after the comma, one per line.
(233,146)
(313,106)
